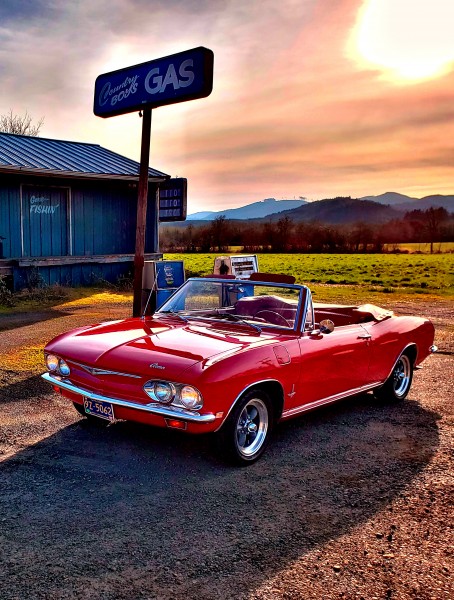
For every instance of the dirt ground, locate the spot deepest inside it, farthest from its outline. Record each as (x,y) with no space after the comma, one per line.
(350,501)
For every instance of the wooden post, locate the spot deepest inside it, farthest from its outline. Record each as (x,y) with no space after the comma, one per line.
(141,211)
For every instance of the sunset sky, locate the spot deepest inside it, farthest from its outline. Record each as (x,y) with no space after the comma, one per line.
(313,98)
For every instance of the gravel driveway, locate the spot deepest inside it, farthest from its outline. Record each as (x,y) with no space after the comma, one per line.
(351,501)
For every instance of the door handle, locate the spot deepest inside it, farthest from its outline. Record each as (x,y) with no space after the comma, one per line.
(364,336)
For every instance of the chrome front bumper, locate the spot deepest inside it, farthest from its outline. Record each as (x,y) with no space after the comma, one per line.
(157,409)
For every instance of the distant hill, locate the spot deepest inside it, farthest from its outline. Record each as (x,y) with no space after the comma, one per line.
(206,215)
(336,211)
(435,201)
(402,202)
(255,210)
(390,198)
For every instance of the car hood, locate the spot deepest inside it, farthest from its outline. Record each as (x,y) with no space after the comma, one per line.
(165,346)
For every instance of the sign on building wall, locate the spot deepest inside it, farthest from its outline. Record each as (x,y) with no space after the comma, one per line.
(184,76)
(173,200)
(45,224)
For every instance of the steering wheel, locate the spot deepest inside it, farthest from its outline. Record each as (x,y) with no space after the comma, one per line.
(274,314)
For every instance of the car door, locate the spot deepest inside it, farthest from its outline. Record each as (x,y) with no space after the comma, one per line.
(332,364)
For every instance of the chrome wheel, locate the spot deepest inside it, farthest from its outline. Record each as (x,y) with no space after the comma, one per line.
(252,428)
(401,376)
(397,386)
(246,433)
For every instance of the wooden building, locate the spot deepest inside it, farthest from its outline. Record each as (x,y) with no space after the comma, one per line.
(68,212)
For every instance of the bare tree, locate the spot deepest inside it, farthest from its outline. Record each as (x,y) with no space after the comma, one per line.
(435,219)
(220,232)
(20,124)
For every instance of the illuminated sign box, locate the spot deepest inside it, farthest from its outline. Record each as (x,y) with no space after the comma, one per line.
(173,200)
(184,76)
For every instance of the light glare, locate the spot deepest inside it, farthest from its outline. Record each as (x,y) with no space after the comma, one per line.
(408,41)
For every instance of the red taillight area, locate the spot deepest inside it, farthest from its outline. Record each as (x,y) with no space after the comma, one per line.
(56,388)
(176,423)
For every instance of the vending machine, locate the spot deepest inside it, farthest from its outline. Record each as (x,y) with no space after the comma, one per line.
(162,278)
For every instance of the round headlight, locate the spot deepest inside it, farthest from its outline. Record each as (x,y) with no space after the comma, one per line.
(63,367)
(52,362)
(164,392)
(191,398)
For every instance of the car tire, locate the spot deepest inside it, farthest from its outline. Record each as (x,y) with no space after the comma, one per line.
(398,384)
(246,433)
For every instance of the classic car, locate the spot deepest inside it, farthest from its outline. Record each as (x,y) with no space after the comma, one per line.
(235,357)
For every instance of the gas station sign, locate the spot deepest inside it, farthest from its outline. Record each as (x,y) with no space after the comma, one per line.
(184,76)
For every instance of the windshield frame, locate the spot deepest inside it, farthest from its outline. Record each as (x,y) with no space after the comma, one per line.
(304,296)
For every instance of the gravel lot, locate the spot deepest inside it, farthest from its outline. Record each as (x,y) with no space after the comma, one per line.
(350,501)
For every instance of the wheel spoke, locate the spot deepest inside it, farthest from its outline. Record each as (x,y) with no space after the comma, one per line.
(253,412)
(242,438)
(250,437)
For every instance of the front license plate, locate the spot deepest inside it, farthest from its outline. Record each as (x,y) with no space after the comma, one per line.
(99,408)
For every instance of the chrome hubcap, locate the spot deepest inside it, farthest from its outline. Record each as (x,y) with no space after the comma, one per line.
(401,376)
(252,427)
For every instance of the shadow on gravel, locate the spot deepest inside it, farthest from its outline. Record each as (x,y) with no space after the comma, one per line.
(23,319)
(127,511)
(32,387)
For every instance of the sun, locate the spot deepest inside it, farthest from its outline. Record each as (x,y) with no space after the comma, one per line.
(408,40)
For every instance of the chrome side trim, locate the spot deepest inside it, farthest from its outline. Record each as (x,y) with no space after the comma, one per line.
(251,385)
(305,407)
(157,409)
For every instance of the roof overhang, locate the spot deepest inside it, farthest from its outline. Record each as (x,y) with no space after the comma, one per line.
(12,170)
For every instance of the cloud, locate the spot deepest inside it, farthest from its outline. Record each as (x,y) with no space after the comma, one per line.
(291,113)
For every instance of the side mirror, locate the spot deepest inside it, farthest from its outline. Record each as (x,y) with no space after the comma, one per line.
(326,326)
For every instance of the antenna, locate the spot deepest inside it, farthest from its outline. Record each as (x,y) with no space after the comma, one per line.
(153,288)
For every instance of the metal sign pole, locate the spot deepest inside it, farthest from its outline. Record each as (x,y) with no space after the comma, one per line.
(141,211)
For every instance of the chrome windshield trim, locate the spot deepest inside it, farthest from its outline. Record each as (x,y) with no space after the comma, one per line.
(303,292)
(157,409)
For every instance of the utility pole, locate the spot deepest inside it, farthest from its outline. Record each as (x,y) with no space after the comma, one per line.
(141,211)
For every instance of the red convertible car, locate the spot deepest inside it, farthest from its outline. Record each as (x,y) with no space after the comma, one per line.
(235,357)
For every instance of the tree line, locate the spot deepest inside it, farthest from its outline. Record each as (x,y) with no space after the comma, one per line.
(432,226)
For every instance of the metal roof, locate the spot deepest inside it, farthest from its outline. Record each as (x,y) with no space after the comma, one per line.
(35,155)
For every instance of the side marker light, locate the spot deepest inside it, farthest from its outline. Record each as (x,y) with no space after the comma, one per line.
(176,423)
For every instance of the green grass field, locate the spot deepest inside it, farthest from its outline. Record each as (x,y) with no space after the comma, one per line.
(334,277)
(339,278)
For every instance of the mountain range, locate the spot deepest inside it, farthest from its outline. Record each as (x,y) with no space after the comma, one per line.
(372,209)
(263,208)
(406,203)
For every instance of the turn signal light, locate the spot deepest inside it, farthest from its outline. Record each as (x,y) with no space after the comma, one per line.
(176,423)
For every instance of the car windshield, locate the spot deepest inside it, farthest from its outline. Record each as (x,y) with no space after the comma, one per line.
(257,304)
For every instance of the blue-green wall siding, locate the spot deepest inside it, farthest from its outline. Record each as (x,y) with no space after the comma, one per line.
(100,219)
